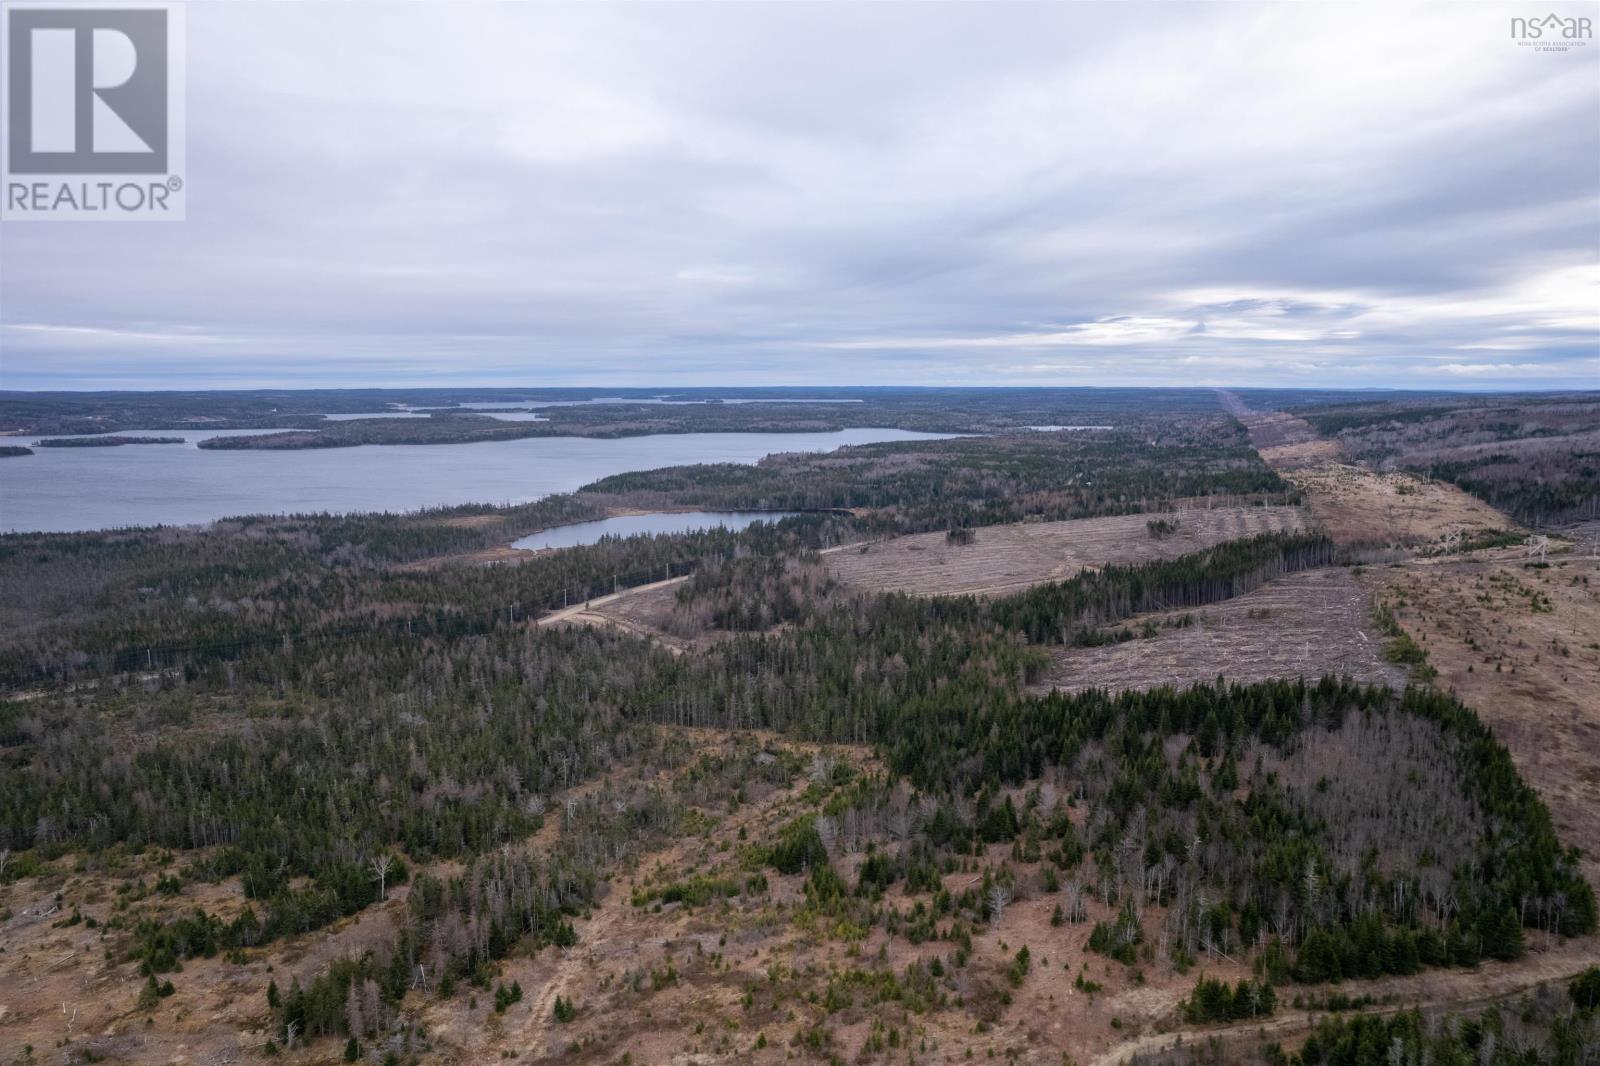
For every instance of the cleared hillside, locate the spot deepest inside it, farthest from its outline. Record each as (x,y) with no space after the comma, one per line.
(1002,559)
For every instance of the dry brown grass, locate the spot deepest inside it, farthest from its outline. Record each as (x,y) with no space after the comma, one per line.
(721,949)
(1286,442)
(71,989)
(1009,558)
(1354,504)
(473,521)
(499,553)
(1300,625)
(1360,506)
(1521,646)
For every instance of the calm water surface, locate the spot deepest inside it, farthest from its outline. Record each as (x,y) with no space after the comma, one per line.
(504,416)
(65,489)
(570,536)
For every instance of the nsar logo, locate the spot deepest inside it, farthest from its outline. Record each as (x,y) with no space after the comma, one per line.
(1553,29)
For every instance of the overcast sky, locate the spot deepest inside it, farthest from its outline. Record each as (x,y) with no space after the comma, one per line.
(464,194)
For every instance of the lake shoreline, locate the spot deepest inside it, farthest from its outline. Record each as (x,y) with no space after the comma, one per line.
(81,490)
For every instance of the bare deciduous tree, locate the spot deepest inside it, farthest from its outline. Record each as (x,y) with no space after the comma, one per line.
(999,897)
(1072,895)
(381,865)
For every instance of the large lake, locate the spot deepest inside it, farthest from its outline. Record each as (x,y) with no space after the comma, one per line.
(67,489)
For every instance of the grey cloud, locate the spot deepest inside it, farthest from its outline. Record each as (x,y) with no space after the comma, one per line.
(1152,194)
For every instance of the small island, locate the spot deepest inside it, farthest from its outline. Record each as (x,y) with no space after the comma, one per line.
(13,451)
(104,442)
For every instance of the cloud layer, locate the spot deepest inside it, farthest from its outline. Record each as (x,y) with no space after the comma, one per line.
(942,194)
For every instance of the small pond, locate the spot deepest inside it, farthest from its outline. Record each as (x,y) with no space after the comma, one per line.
(579,533)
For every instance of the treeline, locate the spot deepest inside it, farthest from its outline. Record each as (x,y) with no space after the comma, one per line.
(1531,457)
(190,616)
(1551,1027)
(1547,1026)
(337,891)
(109,441)
(612,420)
(1332,421)
(970,482)
(1214,1001)
(99,412)
(1554,488)
(1060,612)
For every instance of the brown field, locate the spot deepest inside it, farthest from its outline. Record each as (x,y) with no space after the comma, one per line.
(1530,456)
(499,553)
(474,521)
(69,992)
(1360,506)
(1300,625)
(1356,504)
(1008,558)
(1521,646)
(1286,442)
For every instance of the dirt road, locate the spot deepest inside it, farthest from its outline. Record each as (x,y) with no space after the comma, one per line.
(1450,989)
(578,611)
(588,612)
